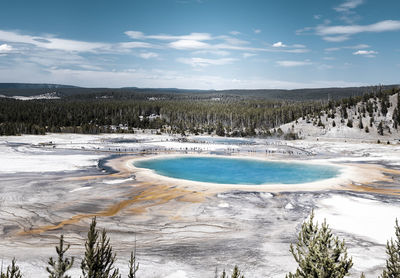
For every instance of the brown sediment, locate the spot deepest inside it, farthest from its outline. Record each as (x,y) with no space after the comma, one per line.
(391,171)
(372,189)
(150,195)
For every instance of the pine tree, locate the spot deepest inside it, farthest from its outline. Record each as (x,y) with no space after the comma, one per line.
(58,268)
(133,266)
(350,123)
(12,271)
(380,128)
(318,253)
(220,130)
(99,258)
(360,124)
(392,269)
(223,275)
(236,273)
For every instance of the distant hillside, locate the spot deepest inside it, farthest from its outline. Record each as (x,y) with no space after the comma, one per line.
(371,117)
(128,93)
(31,89)
(33,86)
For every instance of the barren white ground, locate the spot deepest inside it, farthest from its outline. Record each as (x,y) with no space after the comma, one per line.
(183,238)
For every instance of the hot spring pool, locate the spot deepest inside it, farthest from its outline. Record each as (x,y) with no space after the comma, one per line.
(237,170)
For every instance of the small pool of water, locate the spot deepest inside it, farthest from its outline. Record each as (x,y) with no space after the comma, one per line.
(237,170)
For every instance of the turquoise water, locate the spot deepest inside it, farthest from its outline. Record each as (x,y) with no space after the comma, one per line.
(237,171)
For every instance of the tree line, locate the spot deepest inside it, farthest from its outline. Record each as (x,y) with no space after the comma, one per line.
(318,253)
(224,115)
(237,118)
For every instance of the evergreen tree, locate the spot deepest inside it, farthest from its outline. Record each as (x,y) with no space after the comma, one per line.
(12,271)
(133,266)
(380,128)
(223,275)
(360,124)
(220,130)
(350,123)
(318,253)
(392,268)
(384,107)
(58,268)
(235,274)
(99,258)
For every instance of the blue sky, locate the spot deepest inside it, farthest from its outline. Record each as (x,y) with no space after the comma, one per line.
(201,44)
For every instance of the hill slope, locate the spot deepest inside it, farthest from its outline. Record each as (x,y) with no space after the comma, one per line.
(26,89)
(373,118)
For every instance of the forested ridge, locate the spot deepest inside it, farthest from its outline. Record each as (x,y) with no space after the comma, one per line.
(223,113)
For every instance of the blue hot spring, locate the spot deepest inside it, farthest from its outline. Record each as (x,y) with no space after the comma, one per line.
(237,170)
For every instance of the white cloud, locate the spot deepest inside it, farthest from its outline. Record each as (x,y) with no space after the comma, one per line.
(317,16)
(340,33)
(336,38)
(134,34)
(203,62)
(348,5)
(305,30)
(346,30)
(213,52)
(5,48)
(53,43)
(248,55)
(191,36)
(148,55)
(234,41)
(366,53)
(257,31)
(299,50)
(191,41)
(166,37)
(235,33)
(188,44)
(207,42)
(324,67)
(346,9)
(288,64)
(331,49)
(299,46)
(91,67)
(136,44)
(358,46)
(278,44)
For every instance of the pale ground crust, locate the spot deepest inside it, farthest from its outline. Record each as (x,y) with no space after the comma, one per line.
(351,176)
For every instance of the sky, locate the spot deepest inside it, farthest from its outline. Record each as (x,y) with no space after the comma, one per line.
(201,44)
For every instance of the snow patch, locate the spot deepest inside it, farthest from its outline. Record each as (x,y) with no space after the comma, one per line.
(369,219)
(117,181)
(177,274)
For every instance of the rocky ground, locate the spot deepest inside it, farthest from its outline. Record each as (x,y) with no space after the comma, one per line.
(55,184)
